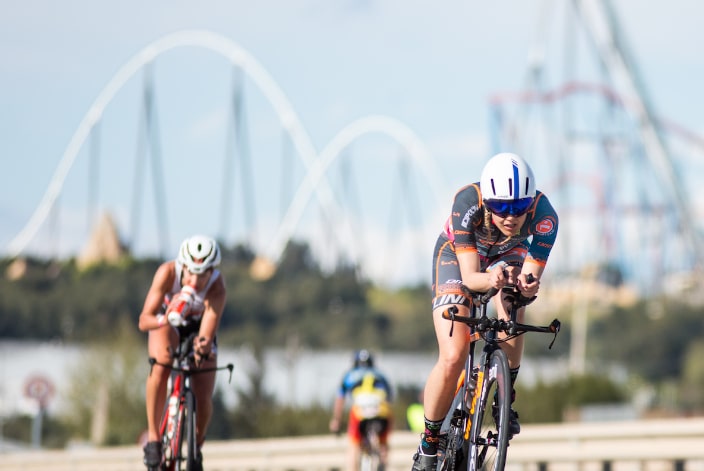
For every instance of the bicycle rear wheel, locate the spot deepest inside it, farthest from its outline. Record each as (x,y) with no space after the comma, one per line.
(370,461)
(490,434)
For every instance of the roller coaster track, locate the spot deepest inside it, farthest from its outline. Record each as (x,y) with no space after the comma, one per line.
(315,181)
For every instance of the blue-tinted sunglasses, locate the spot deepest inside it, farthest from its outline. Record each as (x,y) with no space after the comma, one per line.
(503,208)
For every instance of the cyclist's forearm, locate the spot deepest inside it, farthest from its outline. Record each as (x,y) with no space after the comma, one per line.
(472,278)
(209,325)
(338,408)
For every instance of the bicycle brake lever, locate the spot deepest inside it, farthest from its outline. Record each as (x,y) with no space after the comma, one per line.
(452,310)
(555,328)
(553,341)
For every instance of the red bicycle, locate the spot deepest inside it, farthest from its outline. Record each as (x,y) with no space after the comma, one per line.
(178,424)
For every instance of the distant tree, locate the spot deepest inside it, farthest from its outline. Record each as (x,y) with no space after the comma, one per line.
(254,402)
(549,402)
(653,347)
(106,389)
(692,382)
(221,427)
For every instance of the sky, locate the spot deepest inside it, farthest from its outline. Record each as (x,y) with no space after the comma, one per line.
(430,67)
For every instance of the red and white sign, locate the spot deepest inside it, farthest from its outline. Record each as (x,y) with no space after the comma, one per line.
(39,388)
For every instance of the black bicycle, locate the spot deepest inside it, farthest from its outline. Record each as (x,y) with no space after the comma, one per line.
(475,434)
(178,424)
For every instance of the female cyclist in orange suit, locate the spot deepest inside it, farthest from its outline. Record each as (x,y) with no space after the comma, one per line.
(500,230)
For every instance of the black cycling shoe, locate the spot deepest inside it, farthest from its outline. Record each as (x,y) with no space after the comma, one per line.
(152,455)
(423,462)
(514,427)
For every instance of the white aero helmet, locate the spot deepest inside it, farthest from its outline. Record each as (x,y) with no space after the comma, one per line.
(507,185)
(198,253)
(507,176)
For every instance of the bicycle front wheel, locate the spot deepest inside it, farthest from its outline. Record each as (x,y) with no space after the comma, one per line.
(184,441)
(188,445)
(490,434)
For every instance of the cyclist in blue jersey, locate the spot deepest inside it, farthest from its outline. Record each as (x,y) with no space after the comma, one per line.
(500,230)
(370,394)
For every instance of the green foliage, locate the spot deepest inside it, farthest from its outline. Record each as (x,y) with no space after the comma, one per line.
(54,433)
(221,427)
(545,402)
(254,402)
(654,347)
(692,381)
(324,310)
(405,396)
(106,392)
(59,301)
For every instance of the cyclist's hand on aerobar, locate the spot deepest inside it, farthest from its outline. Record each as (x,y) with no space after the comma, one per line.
(497,277)
(528,289)
(202,346)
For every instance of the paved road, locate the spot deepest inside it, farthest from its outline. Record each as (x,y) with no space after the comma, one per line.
(658,445)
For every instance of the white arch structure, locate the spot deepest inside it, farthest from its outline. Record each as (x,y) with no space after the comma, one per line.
(316,173)
(214,42)
(314,182)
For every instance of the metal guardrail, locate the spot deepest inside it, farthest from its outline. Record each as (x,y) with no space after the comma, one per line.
(652,445)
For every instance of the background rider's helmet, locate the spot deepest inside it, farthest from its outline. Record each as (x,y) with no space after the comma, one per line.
(198,253)
(363,358)
(507,185)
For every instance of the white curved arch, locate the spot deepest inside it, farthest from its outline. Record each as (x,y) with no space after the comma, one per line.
(367,125)
(217,43)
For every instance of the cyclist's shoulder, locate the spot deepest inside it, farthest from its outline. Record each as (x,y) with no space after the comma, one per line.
(543,220)
(165,274)
(348,375)
(167,268)
(381,376)
(469,193)
(543,205)
(217,284)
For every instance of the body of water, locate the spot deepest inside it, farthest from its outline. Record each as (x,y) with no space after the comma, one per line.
(297,377)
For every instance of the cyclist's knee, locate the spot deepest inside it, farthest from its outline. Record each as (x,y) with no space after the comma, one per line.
(452,354)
